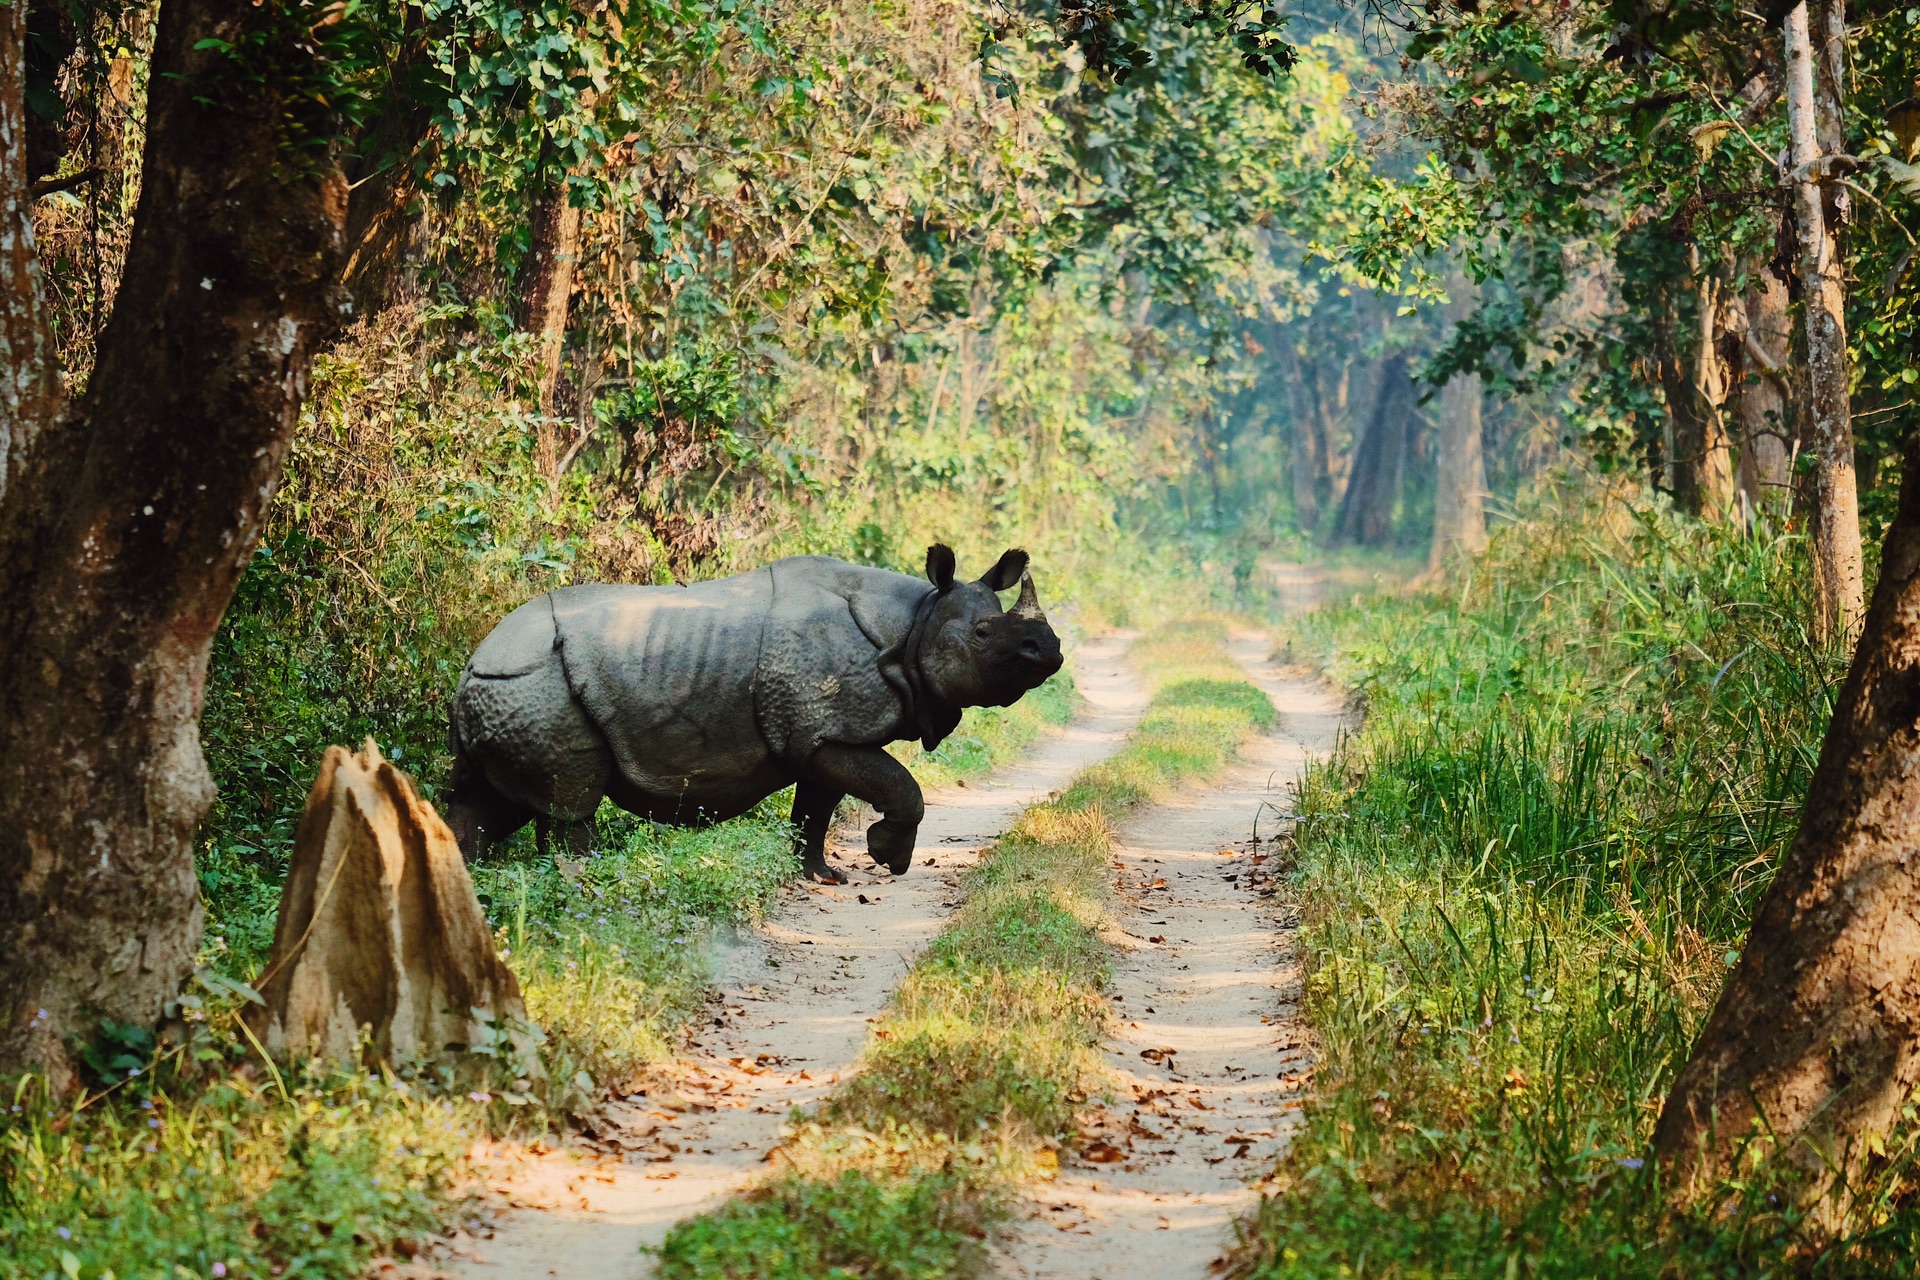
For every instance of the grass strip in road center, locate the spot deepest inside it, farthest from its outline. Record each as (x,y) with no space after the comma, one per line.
(970,1082)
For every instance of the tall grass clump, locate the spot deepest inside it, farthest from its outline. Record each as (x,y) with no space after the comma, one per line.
(991,1042)
(183,1158)
(1522,885)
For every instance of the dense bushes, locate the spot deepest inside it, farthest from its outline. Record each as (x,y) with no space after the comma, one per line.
(1523,884)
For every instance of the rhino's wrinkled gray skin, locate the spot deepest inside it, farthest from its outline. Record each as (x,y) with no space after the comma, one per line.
(690,705)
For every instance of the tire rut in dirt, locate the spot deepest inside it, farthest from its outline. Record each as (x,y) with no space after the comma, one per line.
(1210,1050)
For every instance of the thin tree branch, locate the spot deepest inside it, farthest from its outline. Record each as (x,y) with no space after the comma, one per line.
(53,186)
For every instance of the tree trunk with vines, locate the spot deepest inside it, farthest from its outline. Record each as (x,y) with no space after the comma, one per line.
(128,515)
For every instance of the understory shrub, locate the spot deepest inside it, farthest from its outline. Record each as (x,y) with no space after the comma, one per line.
(1522,884)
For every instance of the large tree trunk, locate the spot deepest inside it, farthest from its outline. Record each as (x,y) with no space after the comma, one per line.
(1460,470)
(127,518)
(546,282)
(1307,465)
(1826,423)
(1460,483)
(1817,1033)
(384,211)
(1695,388)
(1761,404)
(1379,455)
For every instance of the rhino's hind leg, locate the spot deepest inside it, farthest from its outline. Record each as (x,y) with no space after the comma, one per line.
(478,813)
(870,774)
(576,835)
(813,806)
(524,750)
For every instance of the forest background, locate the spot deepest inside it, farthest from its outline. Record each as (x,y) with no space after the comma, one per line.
(660,291)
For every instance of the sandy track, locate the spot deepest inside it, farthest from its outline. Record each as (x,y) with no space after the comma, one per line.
(795,998)
(1210,1051)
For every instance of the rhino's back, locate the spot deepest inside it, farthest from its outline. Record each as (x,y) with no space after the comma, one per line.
(667,673)
(832,664)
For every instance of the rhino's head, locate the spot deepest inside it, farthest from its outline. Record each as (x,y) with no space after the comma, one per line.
(977,654)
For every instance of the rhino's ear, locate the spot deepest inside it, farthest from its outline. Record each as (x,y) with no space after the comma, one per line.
(1007,572)
(940,567)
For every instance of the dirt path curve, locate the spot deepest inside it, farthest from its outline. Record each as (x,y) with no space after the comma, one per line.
(1210,1051)
(796,995)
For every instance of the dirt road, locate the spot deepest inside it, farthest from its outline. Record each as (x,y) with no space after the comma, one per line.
(1210,1053)
(796,996)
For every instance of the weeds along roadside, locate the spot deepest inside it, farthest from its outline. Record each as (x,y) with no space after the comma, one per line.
(1522,884)
(970,1082)
(201,1163)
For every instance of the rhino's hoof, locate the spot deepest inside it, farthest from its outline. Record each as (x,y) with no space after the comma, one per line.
(826,873)
(898,866)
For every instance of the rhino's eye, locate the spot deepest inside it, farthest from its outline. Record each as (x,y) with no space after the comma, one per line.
(983,629)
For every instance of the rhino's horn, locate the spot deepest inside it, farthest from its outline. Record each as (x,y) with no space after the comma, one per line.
(1028,605)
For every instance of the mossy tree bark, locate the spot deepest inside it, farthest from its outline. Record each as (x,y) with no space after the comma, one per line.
(1762,406)
(128,514)
(1815,1043)
(546,283)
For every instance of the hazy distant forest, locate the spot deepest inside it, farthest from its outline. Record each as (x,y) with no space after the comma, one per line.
(1574,347)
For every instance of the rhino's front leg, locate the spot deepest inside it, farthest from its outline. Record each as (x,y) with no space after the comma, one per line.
(813,806)
(870,774)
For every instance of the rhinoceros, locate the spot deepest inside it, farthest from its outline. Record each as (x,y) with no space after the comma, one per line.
(690,705)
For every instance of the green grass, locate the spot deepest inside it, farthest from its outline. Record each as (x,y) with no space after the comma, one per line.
(203,1166)
(971,1081)
(1522,884)
(198,1156)
(894,1205)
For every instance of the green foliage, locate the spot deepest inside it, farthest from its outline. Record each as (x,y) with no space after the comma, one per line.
(1522,885)
(862,1222)
(411,519)
(207,1169)
(1593,134)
